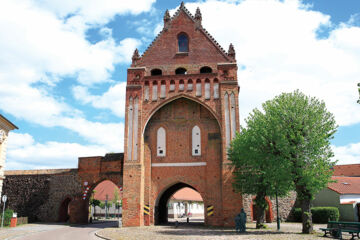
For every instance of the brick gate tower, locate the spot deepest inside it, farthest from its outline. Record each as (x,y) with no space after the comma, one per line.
(181,114)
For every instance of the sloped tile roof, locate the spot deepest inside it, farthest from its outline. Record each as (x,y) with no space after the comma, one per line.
(187,194)
(345,185)
(350,170)
(106,188)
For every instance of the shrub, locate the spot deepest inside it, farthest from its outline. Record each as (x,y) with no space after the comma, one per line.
(8,215)
(324,214)
(319,214)
(297,215)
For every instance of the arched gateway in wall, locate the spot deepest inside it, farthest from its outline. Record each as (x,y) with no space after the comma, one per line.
(179,124)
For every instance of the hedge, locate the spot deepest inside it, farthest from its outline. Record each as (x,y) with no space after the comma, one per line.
(319,214)
(8,215)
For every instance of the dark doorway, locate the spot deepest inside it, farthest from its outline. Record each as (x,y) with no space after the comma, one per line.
(161,209)
(64,210)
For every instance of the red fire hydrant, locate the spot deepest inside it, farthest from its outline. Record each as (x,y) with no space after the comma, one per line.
(13,220)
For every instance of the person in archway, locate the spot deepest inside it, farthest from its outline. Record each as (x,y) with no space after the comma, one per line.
(242,221)
(237,223)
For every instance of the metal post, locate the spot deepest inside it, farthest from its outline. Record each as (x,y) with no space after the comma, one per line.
(3,215)
(106,207)
(277,212)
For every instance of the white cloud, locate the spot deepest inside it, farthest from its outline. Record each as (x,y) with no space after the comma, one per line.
(349,154)
(276,42)
(109,135)
(113,99)
(94,11)
(43,42)
(25,153)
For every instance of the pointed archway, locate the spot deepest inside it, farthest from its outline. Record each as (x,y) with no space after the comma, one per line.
(161,207)
(64,210)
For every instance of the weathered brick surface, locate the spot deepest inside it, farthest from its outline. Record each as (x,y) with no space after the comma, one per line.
(286,205)
(39,194)
(178,112)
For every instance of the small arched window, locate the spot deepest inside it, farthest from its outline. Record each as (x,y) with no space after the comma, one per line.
(180,71)
(183,42)
(207,89)
(205,70)
(163,89)
(146,91)
(154,91)
(198,88)
(181,85)
(196,141)
(161,142)
(190,85)
(172,85)
(216,89)
(156,72)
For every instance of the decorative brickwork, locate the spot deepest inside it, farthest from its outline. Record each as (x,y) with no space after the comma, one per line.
(166,97)
(181,114)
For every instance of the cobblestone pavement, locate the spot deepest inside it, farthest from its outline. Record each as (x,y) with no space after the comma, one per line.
(49,231)
(10,233)
(191,232)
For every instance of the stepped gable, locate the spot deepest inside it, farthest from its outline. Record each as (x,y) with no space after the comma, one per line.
(201,44)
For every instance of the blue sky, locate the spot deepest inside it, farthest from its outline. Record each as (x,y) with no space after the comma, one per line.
(63,66)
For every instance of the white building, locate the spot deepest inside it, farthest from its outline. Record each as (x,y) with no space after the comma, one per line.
(343,194)
(186,203)
(5,127)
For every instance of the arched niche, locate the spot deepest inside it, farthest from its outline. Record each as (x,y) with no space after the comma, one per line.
(156,72)
(206,69)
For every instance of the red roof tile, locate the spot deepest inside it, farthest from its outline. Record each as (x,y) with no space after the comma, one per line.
(106,188)
(350,170)
(187,194)
(345,185)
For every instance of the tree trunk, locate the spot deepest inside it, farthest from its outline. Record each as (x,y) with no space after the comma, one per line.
(260,213)
(306,216)
(260,209)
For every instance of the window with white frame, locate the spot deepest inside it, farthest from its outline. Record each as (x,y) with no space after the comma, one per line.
(161,142)
(196,141)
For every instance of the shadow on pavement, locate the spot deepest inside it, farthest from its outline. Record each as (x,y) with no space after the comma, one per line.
(199,229)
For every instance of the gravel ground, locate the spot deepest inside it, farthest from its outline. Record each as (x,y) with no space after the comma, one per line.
(288,231)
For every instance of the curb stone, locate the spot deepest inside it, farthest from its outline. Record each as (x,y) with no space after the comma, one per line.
(99,236)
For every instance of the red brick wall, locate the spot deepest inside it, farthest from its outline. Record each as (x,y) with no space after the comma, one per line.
(178,112)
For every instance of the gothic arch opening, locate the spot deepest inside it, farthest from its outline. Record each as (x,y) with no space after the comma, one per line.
(105,201)
(64,210)
(179,116)
(187,205)
(193,153)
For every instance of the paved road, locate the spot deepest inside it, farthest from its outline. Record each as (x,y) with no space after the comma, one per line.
(80,232)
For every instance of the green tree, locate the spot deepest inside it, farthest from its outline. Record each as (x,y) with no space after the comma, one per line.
(358,101)
(259,169)
(302,129)
(93,202)
(116,199)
